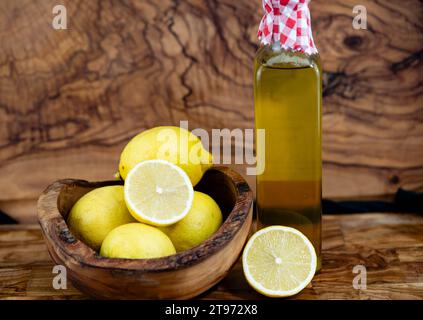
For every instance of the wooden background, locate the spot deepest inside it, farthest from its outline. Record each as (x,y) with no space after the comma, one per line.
(70,99)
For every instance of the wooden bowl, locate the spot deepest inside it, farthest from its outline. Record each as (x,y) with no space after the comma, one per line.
(180,276)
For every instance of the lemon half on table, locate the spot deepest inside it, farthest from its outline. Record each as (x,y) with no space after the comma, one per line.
(158,192)
(279,261)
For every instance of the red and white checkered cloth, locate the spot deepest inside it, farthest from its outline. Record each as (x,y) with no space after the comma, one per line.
(287,21)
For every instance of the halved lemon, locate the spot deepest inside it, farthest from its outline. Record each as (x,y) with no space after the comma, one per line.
(158,192)
(279,261)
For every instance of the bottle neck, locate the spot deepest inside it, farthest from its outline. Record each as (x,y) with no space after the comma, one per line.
(274,55)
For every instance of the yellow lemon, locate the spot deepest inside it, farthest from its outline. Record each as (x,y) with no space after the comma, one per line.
(136,241)
(158,192)
(98,212)
(200,223)
(279,261)
(174,144)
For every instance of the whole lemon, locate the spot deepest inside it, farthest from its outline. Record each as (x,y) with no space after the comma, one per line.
(200,223)
(136,241)
(174,144)
(97,213)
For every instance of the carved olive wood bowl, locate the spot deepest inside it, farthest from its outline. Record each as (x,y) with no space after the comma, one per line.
(180,276)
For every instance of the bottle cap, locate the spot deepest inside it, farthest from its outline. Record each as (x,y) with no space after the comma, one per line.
(287,22)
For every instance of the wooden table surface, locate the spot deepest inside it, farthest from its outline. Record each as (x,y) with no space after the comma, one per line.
(389,245)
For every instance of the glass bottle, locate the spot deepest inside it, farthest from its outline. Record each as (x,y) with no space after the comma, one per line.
(288,98)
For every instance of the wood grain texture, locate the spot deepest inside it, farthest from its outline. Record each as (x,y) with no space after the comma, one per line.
(70,99)
(389,245)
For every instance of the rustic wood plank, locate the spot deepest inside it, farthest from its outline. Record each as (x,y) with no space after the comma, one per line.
(70,99)
(389,245)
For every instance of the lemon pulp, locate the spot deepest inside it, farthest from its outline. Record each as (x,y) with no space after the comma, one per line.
(158,192)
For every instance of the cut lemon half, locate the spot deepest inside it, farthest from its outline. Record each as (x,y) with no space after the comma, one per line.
(279,261)
(158,192)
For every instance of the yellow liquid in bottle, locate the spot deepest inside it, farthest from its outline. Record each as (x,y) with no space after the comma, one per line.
(288,106)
